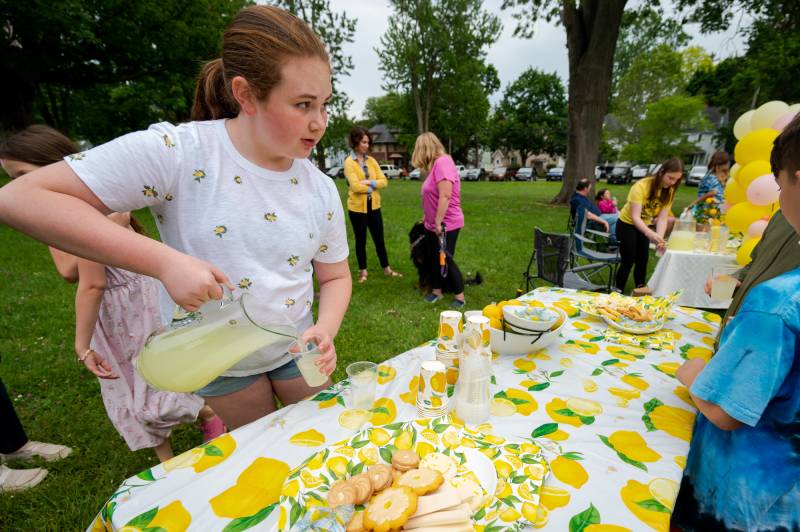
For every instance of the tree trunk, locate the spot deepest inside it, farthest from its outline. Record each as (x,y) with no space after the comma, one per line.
(320,156)
(592,31)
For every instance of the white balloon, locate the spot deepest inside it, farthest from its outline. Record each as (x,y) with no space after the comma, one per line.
(766,115)
(743,125)
(763,190)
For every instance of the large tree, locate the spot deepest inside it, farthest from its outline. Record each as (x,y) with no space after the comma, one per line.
(653,75)
(592,28)
(642,31)
(429,42)
(335,29)
(662,130)
(52,50)
(532,115)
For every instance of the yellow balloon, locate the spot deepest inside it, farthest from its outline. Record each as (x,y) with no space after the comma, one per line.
(743,254)
(767,114)
(751,171)
(740,216)
(734,193)
(743,125)
(735,170)
(756,145)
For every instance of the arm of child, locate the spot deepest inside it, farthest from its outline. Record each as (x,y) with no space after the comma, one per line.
(54,205)
(335,287)
(66,264)
(636,215)
(88,297)
(687,374)
(747,371)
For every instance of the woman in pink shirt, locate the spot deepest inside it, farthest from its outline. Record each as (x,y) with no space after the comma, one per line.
(441,206)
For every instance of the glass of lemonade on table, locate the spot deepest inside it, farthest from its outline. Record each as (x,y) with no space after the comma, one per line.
(723,282)
(363,380)
(305,355)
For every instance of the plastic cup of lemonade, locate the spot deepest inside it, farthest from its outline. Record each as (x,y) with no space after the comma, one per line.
(363,380)
(305,355)
(723,283)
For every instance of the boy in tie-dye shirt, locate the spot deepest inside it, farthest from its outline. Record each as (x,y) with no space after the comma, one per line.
(743,471)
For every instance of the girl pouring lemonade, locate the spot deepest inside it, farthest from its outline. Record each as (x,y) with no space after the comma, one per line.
(236,201)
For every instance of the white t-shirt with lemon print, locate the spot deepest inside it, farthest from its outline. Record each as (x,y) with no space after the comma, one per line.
(261,228)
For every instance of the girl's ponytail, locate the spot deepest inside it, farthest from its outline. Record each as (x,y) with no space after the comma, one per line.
(255,46)
(211,98)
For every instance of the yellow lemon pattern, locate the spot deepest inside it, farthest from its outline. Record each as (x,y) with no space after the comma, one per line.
(672,420)
(257,487)
(601,413)
(172,517)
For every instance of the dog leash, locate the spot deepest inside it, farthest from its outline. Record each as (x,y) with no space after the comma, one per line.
(443,252)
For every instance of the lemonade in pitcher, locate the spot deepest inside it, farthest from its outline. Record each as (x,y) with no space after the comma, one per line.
(185,358)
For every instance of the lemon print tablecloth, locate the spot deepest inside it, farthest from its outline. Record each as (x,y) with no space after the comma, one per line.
(612,421)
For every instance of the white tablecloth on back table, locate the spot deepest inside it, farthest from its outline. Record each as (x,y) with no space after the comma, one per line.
(688,271)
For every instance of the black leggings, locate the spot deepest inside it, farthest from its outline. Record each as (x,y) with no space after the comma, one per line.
(373,220)
(12,435)
(634,251)
(454,282)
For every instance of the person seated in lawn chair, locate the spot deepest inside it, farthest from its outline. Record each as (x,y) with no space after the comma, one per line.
(580,201)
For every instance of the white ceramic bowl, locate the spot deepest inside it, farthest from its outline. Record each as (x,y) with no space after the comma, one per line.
(527,318)
(509,343)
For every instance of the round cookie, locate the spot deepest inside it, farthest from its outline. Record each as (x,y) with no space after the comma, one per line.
(343,492)
(363,487)
(390,509)
(404,460)
(421,481)
(380,476)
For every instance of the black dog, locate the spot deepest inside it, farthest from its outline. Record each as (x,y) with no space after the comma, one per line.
(416,242)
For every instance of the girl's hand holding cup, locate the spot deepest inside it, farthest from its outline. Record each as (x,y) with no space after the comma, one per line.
(324,342)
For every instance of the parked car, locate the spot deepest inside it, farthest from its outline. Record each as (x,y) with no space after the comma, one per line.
(474,174)
(335,171)
(602,171)
(556,173)
(620,174)
(526,173)
(414,174)
(639,171)
(498,174)
(696,174)
(462,171)
(390,171)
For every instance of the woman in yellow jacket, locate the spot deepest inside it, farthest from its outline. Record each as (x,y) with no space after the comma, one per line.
(365,178)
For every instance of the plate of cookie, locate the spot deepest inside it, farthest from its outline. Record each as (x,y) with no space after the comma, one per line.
(634,315)
(426,474)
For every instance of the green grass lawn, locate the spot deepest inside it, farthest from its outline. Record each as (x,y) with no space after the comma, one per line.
(59,401)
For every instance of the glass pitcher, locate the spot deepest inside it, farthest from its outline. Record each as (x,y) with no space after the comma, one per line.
(682,237)
(199,346)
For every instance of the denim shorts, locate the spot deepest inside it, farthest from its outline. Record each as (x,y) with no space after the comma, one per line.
(227,385)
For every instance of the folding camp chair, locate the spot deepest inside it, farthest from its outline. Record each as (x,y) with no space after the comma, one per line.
(551,253)
(593,247)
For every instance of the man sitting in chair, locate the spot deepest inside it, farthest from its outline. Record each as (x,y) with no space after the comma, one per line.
(581,202)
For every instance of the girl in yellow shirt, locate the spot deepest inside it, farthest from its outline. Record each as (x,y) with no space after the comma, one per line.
(649,201)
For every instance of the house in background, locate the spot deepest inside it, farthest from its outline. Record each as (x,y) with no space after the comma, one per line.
(706,142)
(540,161)
(386,147)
